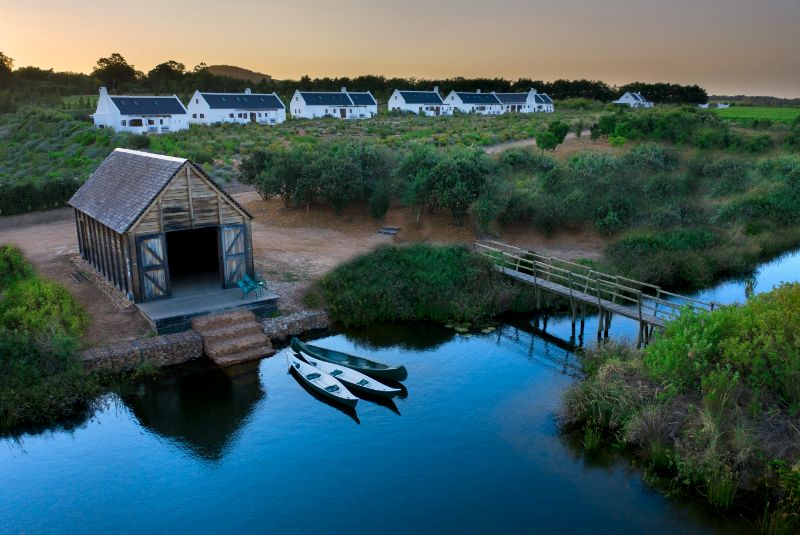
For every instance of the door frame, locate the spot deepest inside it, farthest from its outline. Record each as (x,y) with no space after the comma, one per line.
(223,256)
(143,270)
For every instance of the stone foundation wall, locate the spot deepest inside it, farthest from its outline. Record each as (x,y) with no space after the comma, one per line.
(284,327)
(167,350)
(172,349)
(116,296)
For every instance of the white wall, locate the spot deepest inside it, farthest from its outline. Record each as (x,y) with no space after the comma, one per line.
(201,113)
(107,115)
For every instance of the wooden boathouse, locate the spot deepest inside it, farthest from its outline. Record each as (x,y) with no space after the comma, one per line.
(167,236)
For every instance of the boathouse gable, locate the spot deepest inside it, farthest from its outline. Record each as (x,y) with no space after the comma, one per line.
(140,215)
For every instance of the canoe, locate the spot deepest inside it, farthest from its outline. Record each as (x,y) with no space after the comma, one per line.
(352,379)
(366,366)
(321,382)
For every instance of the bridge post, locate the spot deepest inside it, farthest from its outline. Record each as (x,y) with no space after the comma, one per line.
(607,324)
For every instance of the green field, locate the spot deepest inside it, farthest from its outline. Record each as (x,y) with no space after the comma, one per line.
(757,113)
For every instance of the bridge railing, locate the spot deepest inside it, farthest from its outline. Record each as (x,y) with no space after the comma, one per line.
(587,284)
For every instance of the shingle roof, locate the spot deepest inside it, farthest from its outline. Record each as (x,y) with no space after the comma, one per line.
(333,98)
(542,98)
(477,98)
(148,105)
(512,98)
(362,99)
(240,101)
(421,97)
(125,184)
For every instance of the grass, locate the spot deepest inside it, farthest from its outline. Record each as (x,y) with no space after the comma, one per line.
(43,379)
(758,113)
(712,406)
(417,283)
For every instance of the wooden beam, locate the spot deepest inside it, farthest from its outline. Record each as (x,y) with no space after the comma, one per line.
(189,194)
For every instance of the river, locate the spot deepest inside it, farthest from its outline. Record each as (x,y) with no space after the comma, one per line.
(472,447)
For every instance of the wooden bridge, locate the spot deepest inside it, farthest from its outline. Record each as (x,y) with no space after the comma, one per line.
(651,306)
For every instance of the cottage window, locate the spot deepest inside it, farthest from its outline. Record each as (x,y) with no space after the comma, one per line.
(151,121)
(202,115)
(197,101)
(194,116)
(123,122)
(161,121)
(230,115)
(135,122)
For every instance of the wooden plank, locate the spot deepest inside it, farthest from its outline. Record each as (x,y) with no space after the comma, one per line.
(604,304)
(189,194)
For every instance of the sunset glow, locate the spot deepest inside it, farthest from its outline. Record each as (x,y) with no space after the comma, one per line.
(727,47)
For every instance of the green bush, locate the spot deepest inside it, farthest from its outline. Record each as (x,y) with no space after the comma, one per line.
(39,305)
(759,342)
(417,283)
(13,266)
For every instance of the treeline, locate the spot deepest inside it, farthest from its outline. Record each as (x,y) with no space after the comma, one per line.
(682,212)
(172,76)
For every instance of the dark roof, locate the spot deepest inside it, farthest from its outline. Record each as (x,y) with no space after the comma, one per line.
(362,99)
(512,98)
(333,98)
(421,97)
(125,184)
(542,98)
(242,101)
(478,98)
(148,105)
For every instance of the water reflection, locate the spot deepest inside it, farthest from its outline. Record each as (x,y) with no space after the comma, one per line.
(200,408)
(428,336)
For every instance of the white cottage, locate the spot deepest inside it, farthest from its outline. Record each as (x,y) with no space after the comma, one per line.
(634,100)
(529,102)
(241,108)
(339,104)
(480,103)
(714,106)
(140,114)
(428,103)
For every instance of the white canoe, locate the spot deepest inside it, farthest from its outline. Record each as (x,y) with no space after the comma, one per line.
(353,379)
(320,381)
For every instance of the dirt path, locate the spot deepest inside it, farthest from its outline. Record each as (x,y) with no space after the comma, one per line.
(494,149)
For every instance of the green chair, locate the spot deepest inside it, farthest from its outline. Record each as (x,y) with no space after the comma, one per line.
(246,285)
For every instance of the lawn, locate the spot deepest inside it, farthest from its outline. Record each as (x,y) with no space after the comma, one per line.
(750,113)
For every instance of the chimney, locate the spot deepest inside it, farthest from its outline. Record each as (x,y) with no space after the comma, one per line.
(436,89)
(247,91)
(344,90)
(103,92)
(478,91)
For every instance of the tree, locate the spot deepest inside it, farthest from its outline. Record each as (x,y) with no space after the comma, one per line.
(114,71)
(167,73)
(6,64)
(560,130)
(546,140)
(415,169)
(459,179)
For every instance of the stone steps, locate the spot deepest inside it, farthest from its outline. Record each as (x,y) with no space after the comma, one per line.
(236,330)
(232,338)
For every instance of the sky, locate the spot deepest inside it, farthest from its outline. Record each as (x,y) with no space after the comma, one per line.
(727,46)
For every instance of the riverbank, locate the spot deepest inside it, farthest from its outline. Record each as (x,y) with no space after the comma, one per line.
(712,407)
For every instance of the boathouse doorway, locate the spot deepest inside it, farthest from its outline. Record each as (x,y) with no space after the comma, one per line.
(193,259)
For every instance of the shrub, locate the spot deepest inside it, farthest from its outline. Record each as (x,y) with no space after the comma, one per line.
(13,266)
(417,283)
(758,342)
(38,305)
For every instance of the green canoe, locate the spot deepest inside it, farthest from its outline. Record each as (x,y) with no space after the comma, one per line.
(366,366)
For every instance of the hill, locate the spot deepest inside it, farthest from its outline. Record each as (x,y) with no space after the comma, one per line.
(239,72)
